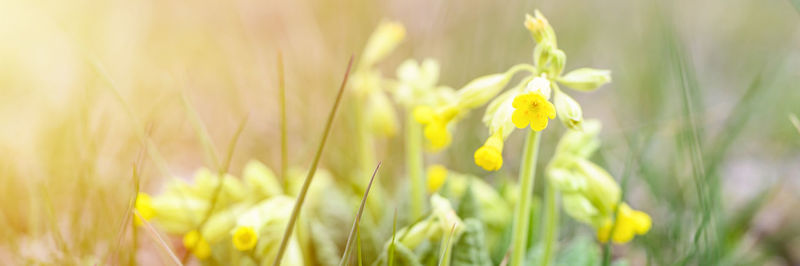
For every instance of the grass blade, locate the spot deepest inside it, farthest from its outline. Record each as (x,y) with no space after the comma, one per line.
(284,134)
(446,242)
(157,237)
(354,229)
(152,151)
(301,197)
(394,234)
(221,174)
(795,122)
(202,133)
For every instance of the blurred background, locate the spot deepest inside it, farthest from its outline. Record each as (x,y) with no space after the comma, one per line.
(719,78)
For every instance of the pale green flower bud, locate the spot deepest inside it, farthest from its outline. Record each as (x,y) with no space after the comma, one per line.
(565,181)
(417,82)
(568,110)
(383,41)
(580,143)
(543,54)
(601,189)
(580,208)
(261,180)
(177,214)
(539,27)
(585,79)
(557,63)
(381,115)
(479,91)
(498,113)
(539,84)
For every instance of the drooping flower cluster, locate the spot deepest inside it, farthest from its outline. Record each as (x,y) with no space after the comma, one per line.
(589,193)
(528,104)
(249,215)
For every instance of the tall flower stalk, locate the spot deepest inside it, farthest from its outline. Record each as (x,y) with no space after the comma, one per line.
(522,213)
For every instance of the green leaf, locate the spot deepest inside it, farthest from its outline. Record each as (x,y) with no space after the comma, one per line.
(580,252)
(471,248)
(585,79)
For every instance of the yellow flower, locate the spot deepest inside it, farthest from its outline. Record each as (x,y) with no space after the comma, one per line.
(435,125)
(144,206)
(437,174)
(245,238)
(532,108)
(195,243)
(490,155)
(629,223)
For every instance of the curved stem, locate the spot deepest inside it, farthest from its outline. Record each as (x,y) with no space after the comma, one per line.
(527,174)
(414,165)
(551,225)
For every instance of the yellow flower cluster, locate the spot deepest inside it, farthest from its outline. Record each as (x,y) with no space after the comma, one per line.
(629,223)
(435,125)
(246,212)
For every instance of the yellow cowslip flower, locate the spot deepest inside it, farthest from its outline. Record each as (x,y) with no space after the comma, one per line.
(490,155)
(197,245)
(245,238)
(532,108)
(630,222)
(437,174)
(144,206)
(435,123)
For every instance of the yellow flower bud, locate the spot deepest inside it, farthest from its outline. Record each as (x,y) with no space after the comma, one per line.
(383,41)
(197,245)
(437,175)
(539,27)
(244,238)
(569,111)
(490,155)
(381,115)
(585,79)
(144,206)
(261,180)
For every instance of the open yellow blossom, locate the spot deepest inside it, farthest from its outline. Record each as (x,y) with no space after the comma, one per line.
(435,125)
(629,223)
(197,245)
(437,174)
(144,206)
(490,155)
(532,108)
(245,238)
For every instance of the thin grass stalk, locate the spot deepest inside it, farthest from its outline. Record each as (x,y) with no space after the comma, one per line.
(138,129)
(157,237)
(414,165)
(447,242)
(284,132)
(551,225)
(527,176)
(221,175)
(301,197)
(202,133)
(391,244)
(357,221)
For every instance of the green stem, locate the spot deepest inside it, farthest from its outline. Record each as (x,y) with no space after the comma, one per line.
(551,225)
(527,175)
(414,165)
